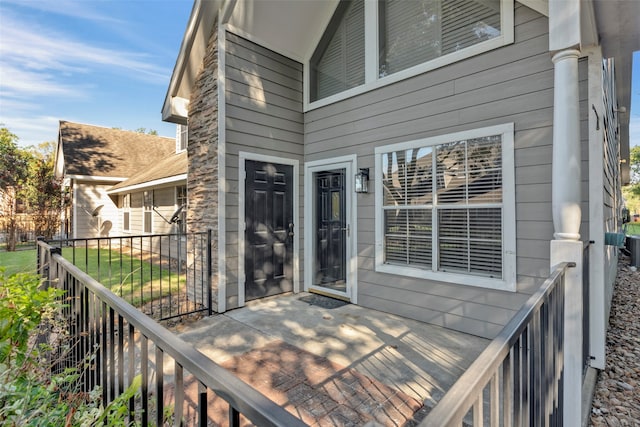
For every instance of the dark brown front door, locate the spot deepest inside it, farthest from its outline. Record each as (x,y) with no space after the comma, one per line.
(269,229)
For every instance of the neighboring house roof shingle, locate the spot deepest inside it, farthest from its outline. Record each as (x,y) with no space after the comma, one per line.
(172,166)
(98,151)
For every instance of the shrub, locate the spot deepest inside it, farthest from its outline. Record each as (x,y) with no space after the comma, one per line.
(30,394)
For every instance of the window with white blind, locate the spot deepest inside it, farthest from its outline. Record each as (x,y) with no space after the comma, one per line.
(338,61)
(181,201)
(418,31)
(182,138)
(403,38)
(126,212)
(147,212)
(445,208)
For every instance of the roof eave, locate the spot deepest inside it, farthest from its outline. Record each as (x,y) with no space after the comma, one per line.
(192,51)
(182,178)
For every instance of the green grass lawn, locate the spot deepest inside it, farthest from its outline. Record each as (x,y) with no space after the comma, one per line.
(632,228)
(137,281)
(18,262)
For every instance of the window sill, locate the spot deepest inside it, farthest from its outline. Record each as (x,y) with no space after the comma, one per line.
(458,279)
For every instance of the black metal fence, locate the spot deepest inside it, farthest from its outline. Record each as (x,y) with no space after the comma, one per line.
(518,379)
(163,275)
(114,345)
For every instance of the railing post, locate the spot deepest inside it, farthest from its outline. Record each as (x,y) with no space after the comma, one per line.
(571,251)
(209,272)
(38,257)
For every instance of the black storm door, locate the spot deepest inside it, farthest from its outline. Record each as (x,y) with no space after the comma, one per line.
(269,229)
(331,224)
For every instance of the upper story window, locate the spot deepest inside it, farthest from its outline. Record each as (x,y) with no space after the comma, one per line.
(338,61)
(182,138)
(445,209)
(403,38)
(417,31)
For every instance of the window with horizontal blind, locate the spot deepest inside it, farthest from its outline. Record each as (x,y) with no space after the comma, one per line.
(445,208)
(338,61)
(147,217)
(403,38)
(182,138)
(181,202)
(126,212)
(417,31)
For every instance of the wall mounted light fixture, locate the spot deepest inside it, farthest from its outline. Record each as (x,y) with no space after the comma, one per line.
(362,181)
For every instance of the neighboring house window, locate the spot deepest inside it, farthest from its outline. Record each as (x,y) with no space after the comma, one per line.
(182,138)
(126,212)
(147,212)
(338,61)
(445,208)
(181,200)
(403,38)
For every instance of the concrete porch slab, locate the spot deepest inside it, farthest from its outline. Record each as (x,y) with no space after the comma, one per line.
(417,359)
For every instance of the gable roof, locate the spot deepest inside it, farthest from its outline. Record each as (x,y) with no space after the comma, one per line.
(103,152)
(170,169)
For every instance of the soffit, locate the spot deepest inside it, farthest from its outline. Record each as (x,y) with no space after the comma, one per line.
(293,26)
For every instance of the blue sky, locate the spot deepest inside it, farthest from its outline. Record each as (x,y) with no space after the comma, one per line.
(102,62)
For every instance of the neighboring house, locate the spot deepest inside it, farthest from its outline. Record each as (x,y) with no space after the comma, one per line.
(144,170)
(491,133)
(149,199)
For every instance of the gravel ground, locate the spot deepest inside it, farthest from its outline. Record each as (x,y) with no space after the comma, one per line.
(617,396)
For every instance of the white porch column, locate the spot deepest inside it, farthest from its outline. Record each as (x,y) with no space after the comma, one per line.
(566,192)
(566,197)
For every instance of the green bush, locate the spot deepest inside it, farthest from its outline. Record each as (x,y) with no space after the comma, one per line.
(30,395)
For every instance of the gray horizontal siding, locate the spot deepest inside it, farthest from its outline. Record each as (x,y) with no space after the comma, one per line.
(263,103)
(510,84)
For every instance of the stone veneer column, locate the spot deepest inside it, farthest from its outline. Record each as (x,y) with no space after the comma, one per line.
(202,180)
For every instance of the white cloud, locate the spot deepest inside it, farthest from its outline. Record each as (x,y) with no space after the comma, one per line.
(21,83)
(40,49)
(32,130)
(75,9)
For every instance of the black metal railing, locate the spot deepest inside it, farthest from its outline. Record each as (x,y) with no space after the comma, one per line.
(518,379)
(122,345)
(163,275)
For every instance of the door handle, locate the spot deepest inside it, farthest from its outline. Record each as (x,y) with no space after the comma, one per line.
(291,232)
(347,229)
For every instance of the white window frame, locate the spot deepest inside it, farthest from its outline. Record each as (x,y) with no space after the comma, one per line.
(182,135)
(508,281)
(372,81)
(126,209)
